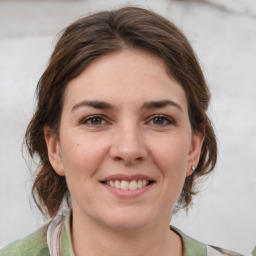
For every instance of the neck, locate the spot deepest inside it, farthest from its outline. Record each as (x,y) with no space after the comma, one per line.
(91,238)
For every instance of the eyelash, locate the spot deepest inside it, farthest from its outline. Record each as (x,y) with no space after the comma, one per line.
(165,120)
(90,118)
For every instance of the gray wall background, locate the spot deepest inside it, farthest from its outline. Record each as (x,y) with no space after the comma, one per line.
(223,34)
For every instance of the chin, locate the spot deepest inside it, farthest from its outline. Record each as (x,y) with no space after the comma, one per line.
(128,226)
(129,221)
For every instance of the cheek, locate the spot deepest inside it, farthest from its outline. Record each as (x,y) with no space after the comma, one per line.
(82,155)
(81,161)
(172,154)
(171,157)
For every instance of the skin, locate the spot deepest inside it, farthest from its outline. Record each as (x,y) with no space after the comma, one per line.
(130,137)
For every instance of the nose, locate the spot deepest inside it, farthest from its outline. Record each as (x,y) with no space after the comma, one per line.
(128,145)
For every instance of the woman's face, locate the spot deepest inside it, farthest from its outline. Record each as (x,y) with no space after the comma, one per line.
(125,143)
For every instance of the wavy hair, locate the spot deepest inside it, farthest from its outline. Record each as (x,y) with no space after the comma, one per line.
(90,38)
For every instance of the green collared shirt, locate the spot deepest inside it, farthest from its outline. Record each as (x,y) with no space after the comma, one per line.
(36,244)
(254,252)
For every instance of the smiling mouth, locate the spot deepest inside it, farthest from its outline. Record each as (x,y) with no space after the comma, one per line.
(128,185)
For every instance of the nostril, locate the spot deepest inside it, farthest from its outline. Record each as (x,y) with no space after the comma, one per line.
(128,160)
(118,158)
(139,158)
(128,152)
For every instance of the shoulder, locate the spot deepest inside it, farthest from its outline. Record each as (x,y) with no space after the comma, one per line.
(254,251)
(193,247)
(217,251)
(34,244)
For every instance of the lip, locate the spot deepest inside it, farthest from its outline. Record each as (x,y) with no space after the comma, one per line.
(127,177)
(128,193)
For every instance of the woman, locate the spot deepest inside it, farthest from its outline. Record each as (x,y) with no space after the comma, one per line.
(122,134)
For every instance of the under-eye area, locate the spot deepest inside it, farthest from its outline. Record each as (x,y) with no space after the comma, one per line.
(128,185)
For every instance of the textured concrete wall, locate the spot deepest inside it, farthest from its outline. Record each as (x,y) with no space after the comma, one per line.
(223,34)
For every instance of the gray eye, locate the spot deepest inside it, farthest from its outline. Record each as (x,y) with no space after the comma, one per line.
(160,120)
(96,120)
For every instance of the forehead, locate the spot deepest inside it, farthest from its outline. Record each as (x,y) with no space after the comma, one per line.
(126,76)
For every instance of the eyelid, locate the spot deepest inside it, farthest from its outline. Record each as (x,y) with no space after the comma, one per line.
(86,119)
(166,117)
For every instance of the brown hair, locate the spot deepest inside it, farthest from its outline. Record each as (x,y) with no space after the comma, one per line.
(90,38)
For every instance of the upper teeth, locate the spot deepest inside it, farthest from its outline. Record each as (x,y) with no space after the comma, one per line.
(126,185)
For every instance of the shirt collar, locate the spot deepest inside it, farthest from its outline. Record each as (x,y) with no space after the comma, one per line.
(191,246)
(67,248)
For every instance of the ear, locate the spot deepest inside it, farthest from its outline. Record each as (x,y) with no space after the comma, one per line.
(54,151)
(195,151)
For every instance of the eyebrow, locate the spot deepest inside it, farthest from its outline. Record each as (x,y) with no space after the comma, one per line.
(105,105)
(93,103)
(160,104)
